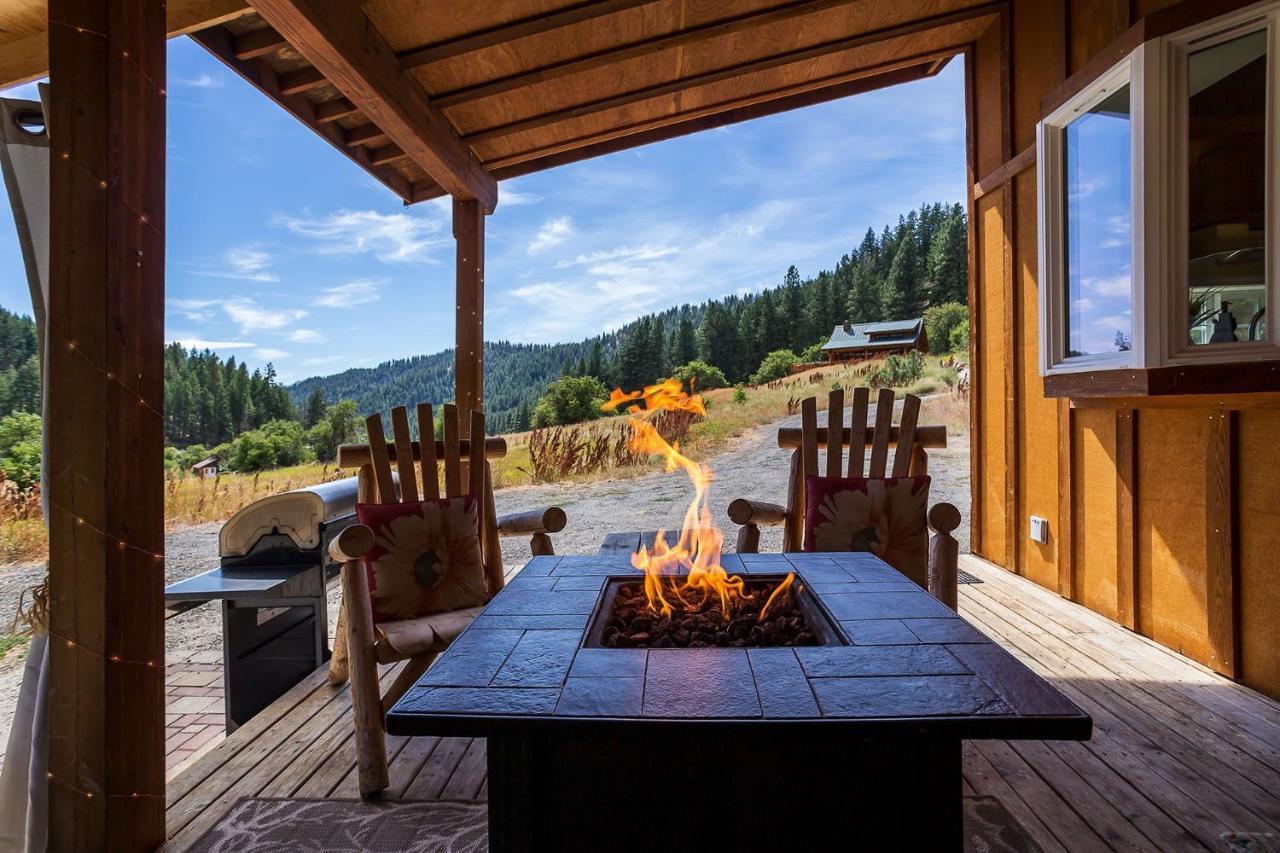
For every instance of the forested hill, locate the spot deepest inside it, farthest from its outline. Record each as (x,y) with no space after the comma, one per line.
(896,274)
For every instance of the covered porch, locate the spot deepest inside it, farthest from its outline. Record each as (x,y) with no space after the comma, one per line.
(450,104)
(1179,755)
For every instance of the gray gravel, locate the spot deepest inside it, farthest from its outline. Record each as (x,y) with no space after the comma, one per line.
(752,465)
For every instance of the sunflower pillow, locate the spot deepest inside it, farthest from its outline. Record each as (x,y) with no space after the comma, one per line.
(885,516)
(425,558)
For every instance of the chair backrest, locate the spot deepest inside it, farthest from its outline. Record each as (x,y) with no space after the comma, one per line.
(908,439)
(464,462)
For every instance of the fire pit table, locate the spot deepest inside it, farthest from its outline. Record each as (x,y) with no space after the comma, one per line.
(853,741)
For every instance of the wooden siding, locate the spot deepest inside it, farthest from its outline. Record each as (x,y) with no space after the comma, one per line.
(1163,518)
(1179,755)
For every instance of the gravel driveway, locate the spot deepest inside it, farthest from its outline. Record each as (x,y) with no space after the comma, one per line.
(751,466)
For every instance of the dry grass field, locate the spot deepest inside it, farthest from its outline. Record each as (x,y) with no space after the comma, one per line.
(597,449)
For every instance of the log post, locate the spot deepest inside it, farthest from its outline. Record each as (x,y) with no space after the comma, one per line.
(468,231)
(105,425)
(944,555)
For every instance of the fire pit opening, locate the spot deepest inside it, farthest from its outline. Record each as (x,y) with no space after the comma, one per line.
(623,618)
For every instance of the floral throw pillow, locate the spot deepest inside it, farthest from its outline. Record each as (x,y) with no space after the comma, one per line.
(885,516)
(425,559)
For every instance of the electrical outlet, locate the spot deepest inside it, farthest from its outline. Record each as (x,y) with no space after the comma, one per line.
(1039,530)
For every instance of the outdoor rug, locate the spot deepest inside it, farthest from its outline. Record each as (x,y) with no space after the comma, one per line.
(452,826)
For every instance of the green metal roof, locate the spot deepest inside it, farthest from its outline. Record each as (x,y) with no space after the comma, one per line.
(890,333)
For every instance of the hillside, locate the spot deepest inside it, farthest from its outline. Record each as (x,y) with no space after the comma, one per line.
(922,261)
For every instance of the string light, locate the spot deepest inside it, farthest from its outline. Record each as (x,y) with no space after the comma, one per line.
(121,544)
(89,795)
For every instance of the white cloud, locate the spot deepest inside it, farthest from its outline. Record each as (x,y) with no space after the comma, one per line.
(193,342)
(552,233)
(200,81)
(1113,321)
(389,237)
(325,359)
(242,263)
(509,196)
(250,316)
(356,292)
(1083,304)
(1113,285)
(268,353)
(306,336)
(192,309)
(628,253)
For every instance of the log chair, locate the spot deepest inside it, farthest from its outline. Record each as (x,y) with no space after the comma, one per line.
(909,459)
(360,644)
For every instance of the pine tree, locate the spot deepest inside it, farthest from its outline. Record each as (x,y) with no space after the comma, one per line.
(684,343)
(902,296)
(718,341)
(595,361)
(313,410)
(657,351)
(948,261)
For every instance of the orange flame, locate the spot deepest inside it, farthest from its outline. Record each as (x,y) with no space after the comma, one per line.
(690,566)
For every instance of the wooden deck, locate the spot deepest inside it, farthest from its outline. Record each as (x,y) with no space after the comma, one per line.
(1179,755)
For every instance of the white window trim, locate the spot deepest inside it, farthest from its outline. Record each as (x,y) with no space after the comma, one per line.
(1173,345)
(1050,179)
(1156,74)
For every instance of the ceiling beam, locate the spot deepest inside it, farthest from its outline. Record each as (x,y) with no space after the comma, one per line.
(338,108)
(302,80)
(815,91)
(343,45)
(643,47)
(516,30)
(219,42)
(261,42)
(743,68)
(706,118)
(27,58)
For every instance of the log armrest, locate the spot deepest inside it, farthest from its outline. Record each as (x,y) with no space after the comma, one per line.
(351,544)
(750,515)
(944,554)
(536,524)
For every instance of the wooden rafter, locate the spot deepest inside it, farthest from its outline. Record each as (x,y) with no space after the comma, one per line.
(728,73)
(365,134)
(742,109)
(523,28)
(302,80)
(343,46)
(643,47)
(28,58)
(219,42)
(263,42)
(338,108)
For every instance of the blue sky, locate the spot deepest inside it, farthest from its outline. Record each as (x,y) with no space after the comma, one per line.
(281,250)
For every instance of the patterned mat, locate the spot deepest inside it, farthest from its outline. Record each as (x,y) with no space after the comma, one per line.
(340,826)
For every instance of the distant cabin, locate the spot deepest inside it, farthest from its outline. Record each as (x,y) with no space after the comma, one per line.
(205,468)
(856,341)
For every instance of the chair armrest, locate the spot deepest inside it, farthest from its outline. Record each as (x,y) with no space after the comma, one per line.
(551,519)
(351,544)
(743,511)
(944,554)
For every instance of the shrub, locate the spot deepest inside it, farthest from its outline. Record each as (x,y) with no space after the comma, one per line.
(776,365)
(898,371)
(697,376)
(20,448)
(739,394)
(813,354)
(273,445)
(940,321)
(570,400)
(960,337)
(340,425)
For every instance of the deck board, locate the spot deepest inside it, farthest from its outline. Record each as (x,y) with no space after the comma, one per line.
(1179,754)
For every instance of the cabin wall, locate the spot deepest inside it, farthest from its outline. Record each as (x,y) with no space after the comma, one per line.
(1138,500)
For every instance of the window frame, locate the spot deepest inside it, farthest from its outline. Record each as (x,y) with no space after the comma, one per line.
(1156,71)
(1051,179)
(1176,50)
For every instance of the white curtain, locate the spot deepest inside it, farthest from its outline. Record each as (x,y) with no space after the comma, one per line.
(24,783)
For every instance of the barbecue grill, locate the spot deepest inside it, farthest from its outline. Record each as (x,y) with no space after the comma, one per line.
(272,581)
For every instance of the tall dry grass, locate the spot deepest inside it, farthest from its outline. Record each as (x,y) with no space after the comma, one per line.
(23,538)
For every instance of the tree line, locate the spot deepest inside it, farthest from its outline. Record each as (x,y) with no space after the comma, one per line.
(921,261)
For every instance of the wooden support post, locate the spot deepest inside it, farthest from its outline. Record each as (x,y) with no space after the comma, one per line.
(468,231)
(106,425)
(1222,561)
(1126,518)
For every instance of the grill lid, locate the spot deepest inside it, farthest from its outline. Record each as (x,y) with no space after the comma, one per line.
(300,514)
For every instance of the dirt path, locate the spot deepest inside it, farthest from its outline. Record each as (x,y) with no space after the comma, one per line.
(752,466)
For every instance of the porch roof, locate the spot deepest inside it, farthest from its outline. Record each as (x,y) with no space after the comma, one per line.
(470,94)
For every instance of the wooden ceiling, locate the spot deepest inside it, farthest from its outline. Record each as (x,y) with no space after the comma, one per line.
(437,96)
